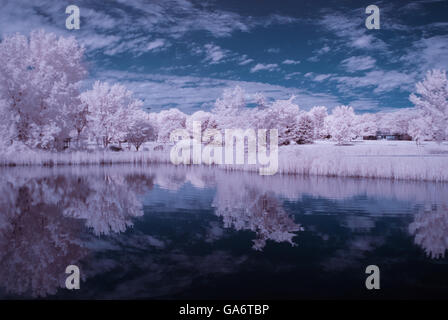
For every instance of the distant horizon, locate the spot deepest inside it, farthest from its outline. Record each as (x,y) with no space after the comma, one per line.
(184,53)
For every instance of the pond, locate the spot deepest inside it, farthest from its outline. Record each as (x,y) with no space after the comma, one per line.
(174,232)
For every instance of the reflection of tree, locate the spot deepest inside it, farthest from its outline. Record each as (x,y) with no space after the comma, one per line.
(170,179)
(111,203)
(140,183)
(41,222)
(259,212)
(430,228)
(36,244)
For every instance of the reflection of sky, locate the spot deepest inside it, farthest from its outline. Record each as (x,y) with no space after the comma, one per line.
(168,231)
(192,198)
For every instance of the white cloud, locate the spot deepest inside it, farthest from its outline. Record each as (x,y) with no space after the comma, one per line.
(273,50)
(136,46)
(358,63)
(365,104)
(264,67)
(292,75)
(190,94)
(313,59)
(156,44)
(214,54)
(319,77)
(363,42)
(289,61)
(159,16)
(318,53)
(381,80)
(428,53)
(245,61)
(322,77)
(323,50)
(351,29)
(130,26)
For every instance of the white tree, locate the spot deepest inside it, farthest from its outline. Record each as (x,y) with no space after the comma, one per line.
(420,129)
(207,119)
(39,88)
(111,112)
(432,100)
(230,109)
(281,115)
(365,125)
(232,100)
(140,130)
(304,130)
(260,100)
(318,115)
(341,124)
(79,115)
(168,121)
(396,122)
(386,121)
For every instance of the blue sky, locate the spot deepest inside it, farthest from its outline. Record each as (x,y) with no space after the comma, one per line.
(183,53)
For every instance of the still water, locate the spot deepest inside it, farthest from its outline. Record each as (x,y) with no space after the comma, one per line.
(165,232)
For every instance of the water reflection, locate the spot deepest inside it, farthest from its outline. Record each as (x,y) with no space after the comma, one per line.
(36,240)
(42,218)
(108,202)
(53,217)
(245,207)
(430,228)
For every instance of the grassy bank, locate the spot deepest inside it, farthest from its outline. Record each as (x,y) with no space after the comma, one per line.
(366,159)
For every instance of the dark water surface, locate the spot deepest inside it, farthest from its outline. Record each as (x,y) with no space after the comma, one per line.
(167,232)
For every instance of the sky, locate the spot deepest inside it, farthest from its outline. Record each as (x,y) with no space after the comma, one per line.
(184,53)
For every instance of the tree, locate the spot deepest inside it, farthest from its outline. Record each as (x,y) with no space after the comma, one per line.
(281,115)
(111,110)
(420,129)
(260,100)
(304,131)
(79,116)
(230,109)
(39,87)
(208,121)
(365,125)
(140,131)
(318,115)
(396,122)
(232,100)
(168,121)
(341,124)
(432,100)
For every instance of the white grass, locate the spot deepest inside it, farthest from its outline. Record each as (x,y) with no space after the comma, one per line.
(368,159)
(364,159)
(83,158)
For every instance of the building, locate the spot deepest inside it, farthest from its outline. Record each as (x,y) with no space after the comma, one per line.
(385,135)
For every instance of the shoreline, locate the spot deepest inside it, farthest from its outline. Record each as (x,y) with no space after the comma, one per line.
(395,160)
